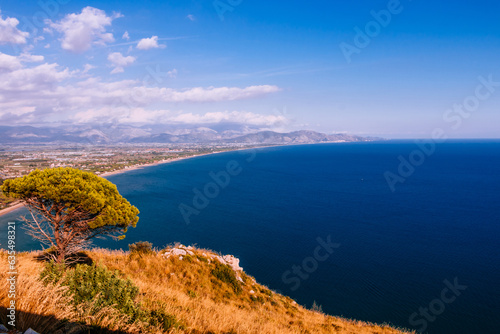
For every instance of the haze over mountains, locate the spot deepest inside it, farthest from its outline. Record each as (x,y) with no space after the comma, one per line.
(127,134)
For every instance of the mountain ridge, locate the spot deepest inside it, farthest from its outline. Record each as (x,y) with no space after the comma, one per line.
(102,135)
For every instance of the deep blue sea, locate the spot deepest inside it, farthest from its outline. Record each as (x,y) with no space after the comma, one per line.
(321,223)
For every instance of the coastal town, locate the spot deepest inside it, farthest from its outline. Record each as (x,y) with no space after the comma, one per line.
(16,161)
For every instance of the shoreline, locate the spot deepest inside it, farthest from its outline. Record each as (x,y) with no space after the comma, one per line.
(125,170)
(18,206)
(11,208)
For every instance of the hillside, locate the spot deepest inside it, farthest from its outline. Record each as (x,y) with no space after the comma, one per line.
(190,288)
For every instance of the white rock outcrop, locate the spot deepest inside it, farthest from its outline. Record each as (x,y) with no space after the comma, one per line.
(233,262)
(180,251)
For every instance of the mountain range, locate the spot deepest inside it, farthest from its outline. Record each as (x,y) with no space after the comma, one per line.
(126,134)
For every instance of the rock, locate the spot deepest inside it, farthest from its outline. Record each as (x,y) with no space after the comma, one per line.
(252,292)
(177,251)
(239,279)
(181,257)
(220,259)
(189,252)
(233,262)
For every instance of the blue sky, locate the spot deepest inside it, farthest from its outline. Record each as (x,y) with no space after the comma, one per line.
(265,65)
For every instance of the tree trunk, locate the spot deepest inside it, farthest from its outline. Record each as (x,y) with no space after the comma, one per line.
(61,254)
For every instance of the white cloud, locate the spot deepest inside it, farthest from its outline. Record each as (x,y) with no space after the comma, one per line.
(213,94)
(191,17)
(28,58)
(11,63)
(126,35)
(34,79)
(242,117)
(119,61)
(9,32)
(87,68)
(141,115)
(149,43)
(8,62)
(31,92)
(82,30)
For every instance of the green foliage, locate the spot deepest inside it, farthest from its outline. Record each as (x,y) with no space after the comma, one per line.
(202,258)
(258,299)
(141,248)
(76,190)
(164,320)
(224,273)
(192,294)
(99,287)
(96,285)
(53,272)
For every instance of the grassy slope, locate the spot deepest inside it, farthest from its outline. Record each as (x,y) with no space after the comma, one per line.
(185,289)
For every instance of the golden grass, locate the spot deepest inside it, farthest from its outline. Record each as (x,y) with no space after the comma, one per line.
(185,289)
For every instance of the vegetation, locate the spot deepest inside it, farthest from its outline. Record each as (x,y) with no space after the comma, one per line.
(141,248)
(70,207)
(94,284)
(168,296)
(101,289)
(4,200)
(224,273)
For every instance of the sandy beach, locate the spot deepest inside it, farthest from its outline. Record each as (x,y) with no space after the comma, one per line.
(124,170)
(11,208)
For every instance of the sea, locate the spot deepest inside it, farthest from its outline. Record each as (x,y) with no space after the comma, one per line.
(399,232)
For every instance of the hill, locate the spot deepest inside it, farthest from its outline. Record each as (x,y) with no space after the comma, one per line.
(191,290)
(160,134)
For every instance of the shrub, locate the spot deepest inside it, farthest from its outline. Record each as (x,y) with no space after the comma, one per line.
(52,272)
(96,285)
(317,308)
(163,320)
(141,248)
(224,273)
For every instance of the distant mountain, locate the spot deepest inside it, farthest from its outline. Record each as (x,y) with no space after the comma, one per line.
(123,134)
(296,137)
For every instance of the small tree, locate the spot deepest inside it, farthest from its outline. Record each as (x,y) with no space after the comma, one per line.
(70,207)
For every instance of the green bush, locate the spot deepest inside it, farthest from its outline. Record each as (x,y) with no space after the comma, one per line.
(162,319)
(96,285)
(52,272)
(100,287)
(224,273)
(141,248)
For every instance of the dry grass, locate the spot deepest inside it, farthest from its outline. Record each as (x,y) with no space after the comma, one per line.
(185,289)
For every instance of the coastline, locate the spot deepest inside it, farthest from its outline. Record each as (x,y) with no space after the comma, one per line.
(124,170)
(11,208)
(18,206)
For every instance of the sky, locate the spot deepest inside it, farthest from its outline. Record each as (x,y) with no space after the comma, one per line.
(394,69)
